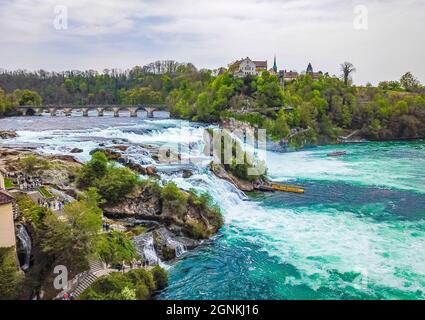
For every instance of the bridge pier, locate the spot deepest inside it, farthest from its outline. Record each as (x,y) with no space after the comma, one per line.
(24,112)
(52,112)
(133,112)
(85,112)
(100,112)
(116,112)
(38,111)
(150,111)
(67,111)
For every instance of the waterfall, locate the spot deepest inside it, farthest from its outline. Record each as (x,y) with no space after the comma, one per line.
(145,247)
(179,247)
(25,246)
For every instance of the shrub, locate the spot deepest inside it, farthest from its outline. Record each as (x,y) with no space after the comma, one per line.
(112,183)
(33,165)
(174,199)
(94,169)
(116,184)
(136,284)
(114,248)
(10,279)
(160,276)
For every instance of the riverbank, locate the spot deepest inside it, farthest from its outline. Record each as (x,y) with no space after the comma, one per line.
(164,220)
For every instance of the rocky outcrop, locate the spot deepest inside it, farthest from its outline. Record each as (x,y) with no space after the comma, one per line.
(220,172)
(117,154)
(8,134)
(76,150)
(61,172)
(110,154)
(178,228)
(169,246)
(187,173)
(120,147)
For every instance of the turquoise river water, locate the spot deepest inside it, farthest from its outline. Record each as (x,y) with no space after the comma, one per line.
(357,233)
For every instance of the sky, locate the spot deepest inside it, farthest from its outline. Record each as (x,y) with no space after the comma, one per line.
(382,38)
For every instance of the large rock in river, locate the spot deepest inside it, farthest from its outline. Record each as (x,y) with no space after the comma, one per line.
(8,134)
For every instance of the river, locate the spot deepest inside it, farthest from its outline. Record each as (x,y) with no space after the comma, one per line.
(357,233)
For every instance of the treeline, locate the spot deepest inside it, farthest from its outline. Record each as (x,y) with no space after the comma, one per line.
(307,110)
(320,110)
(92,87)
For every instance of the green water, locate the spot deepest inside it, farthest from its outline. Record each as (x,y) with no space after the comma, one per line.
(357,233)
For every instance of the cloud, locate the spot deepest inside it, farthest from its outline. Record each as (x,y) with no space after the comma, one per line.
(111,33)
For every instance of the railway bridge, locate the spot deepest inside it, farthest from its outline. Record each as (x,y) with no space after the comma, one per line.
(69,109)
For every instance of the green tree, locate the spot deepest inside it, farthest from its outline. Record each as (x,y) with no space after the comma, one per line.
(10,278)
(115,247)
(33,165)
(409,82)
(347,68)
(95,169)
(27,97)
(116,184)
(72,241)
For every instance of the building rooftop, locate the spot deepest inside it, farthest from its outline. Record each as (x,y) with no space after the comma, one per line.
(5,197)
(261,64)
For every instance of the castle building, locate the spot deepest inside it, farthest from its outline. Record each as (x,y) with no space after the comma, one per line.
(247,67)
(310,71)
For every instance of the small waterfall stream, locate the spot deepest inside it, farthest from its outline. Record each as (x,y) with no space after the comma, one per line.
(25,246)
(145,247)
(179,247)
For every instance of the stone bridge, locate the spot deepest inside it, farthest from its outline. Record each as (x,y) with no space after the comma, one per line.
(68,109)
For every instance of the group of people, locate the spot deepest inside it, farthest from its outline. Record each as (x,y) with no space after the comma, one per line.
(68,296)
(28,183)
(106,227)
(133,265)
(54,204)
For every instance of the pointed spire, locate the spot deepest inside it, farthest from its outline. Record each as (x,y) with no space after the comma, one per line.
(275,64)
(309,68)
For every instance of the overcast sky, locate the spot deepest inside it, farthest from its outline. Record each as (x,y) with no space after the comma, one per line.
(211,33)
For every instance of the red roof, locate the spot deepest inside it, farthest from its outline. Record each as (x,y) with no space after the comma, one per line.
(5,198)
(261,64)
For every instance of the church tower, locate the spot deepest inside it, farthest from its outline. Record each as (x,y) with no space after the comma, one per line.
(275,65)
(309,69)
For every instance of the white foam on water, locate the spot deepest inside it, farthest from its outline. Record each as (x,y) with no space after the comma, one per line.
(316,242)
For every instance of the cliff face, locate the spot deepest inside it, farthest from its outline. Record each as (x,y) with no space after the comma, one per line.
(176,228)
(220,172)
(178,224)
(148,205)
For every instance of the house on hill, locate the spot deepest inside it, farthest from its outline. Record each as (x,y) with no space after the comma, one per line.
(247,67)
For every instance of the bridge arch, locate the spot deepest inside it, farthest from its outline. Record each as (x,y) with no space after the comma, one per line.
(28,112)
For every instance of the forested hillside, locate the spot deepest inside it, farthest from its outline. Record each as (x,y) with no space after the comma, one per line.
(305,111)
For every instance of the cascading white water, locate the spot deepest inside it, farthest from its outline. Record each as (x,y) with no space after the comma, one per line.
(317,240)
(26,245)
(145,247)
(179,247)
